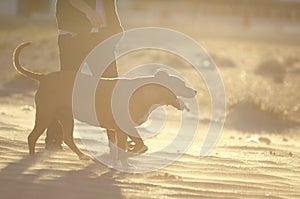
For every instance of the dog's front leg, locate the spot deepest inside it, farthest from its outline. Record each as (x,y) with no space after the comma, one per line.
(122,148)
(139,146)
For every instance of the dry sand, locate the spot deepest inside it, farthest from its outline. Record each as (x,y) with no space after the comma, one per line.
(241,166)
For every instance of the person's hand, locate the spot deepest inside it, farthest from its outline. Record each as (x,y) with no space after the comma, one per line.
(94,18)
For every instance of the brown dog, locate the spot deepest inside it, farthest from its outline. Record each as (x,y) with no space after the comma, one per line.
(53,100)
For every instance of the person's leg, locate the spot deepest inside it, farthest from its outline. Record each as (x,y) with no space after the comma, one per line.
(111,72)
(54,136)
(71,56)
(72,51)
(95,39)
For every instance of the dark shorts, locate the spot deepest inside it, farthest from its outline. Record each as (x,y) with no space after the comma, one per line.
(74,49)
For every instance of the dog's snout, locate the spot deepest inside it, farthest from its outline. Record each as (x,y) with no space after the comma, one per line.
(195,92)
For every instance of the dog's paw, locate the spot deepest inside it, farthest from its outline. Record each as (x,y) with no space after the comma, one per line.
(139,150)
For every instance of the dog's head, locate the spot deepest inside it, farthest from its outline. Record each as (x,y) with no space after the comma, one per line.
(177,88)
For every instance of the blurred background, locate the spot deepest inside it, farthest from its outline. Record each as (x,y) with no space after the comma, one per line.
(255,44)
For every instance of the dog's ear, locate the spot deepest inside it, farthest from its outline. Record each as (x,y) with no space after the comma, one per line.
(161,74)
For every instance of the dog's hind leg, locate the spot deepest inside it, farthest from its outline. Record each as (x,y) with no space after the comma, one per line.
(113,149)
(41,123)
(67,122)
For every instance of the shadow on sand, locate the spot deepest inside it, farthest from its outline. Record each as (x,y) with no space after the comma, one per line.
(24,179)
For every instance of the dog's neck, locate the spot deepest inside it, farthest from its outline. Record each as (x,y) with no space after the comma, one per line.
(154,94)
(147,98)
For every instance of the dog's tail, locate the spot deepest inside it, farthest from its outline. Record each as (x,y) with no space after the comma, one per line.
(19,67)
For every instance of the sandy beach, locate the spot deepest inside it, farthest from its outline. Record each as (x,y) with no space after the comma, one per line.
(241,166)
(257,155)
